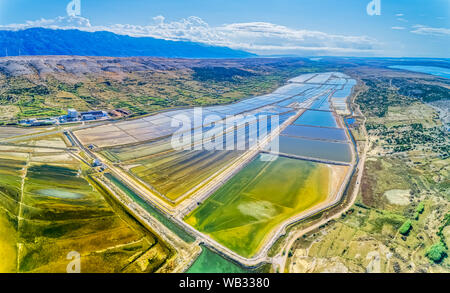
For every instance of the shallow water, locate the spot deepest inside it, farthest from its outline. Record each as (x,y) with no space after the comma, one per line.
(438,71)
(317,118)
(59,193)
(315,149)
(321,104)
(211,262)
(243,211)
(315,132)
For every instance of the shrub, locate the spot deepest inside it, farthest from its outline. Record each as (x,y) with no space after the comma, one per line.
(404,229)
(420,208)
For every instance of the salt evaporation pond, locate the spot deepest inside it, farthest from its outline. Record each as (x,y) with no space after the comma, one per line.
(315,149)
(317,118)
(315,132)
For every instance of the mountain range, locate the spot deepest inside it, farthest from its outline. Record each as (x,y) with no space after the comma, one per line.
(42,41)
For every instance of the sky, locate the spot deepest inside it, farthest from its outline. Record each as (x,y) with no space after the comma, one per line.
(394,28)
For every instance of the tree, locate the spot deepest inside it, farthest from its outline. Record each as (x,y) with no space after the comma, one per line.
(436,252)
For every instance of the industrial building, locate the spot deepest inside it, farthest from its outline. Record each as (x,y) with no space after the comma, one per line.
(93,115)
(72,116)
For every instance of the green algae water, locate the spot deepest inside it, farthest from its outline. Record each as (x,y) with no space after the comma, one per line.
(211,262)
(261,196)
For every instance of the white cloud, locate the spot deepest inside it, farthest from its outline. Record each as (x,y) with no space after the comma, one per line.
(431,31)
(262,36)
(256,37)
(399,14)
(398,28)
(58,22)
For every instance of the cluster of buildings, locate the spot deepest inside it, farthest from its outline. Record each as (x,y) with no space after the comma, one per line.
(72,116)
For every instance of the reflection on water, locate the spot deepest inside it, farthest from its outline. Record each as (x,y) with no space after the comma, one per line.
(317,118)
(333,151)
(59,193)
(315,132)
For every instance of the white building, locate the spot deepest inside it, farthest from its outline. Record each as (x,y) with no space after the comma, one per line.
(72,113)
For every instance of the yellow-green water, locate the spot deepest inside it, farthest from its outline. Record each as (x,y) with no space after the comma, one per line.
(243,212)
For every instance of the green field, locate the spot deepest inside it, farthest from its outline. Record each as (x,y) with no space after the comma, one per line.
(242,213)
(50,206)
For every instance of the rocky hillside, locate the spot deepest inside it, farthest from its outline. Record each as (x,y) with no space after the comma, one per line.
(43,86)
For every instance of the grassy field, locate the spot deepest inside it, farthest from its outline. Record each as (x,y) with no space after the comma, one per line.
(260,197)
(367,240)
(10,188)
(50,206)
